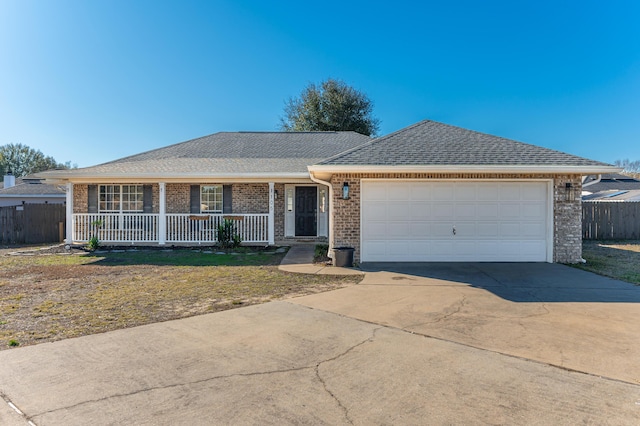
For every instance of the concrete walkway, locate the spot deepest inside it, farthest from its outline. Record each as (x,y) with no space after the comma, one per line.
(299,259)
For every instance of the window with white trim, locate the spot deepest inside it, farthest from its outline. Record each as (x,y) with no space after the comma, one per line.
(211,199)
(121,198)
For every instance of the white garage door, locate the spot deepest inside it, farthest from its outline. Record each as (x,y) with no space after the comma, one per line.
(454,221)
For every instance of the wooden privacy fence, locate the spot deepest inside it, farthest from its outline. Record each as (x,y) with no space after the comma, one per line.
(32,223)
(606,220)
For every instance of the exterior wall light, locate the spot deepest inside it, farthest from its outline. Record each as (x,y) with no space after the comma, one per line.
(569,187)
(345,191)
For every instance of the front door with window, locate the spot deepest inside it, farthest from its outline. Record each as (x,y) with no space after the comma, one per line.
(306,211)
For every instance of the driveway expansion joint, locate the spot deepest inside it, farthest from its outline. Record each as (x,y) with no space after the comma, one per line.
(15,409)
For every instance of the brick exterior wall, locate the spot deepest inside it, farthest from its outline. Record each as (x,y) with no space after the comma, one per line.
(80,198)
(567,219)
(177,196)
(567,212)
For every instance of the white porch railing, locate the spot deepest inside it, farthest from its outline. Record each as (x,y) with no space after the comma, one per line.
(180,228)
(194,228)
(116,227)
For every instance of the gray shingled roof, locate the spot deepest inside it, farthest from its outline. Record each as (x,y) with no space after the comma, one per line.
(33,189)
(436,144)
(613,182)
(233,153)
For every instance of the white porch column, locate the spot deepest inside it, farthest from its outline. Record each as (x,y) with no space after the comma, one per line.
(271,224)
(162,217)
(69,202)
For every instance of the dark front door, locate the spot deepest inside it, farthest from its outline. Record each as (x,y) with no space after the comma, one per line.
(306,206)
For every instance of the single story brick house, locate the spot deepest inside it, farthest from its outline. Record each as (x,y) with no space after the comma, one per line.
(428,192)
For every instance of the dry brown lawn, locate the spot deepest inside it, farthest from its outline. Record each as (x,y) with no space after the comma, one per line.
(615,259)
(52,296)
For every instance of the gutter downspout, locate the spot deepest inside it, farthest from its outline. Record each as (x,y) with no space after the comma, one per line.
(598,179)
(327,184)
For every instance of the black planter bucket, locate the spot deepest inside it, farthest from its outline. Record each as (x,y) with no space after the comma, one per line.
(343,256)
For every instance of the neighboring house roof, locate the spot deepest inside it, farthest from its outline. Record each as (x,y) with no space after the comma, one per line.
(227,154)
(437,146)
(612,182)
(32,188)
(614,195)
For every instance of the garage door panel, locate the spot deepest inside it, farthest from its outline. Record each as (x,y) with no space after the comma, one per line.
(494,221)
(375,230)
(442,192)
(376,210)
(420,209)
(487,230)
(464,230)
(532,248)
(509,211)
(399,193)
(465,210)
(487,192)
(421,192)
(398,210)
(441,211)
(510,230)
(533,230)
(466,191)
(421,229)
(533,192)
(375,193)
(399,230)
(532,210)
(509,192)
(443,248)
(487,212)
(440,229)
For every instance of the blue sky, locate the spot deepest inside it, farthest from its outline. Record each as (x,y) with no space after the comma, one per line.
(89,81)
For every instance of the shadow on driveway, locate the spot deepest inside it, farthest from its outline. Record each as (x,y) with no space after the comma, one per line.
(522,282)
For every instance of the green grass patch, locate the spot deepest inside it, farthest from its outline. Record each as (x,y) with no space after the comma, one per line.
(187,258)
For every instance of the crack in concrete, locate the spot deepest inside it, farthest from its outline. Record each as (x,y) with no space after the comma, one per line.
(228,376)
(174,385)
(456,310)
(344,409)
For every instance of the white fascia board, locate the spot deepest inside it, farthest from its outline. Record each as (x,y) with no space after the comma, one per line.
(187,177)
(329,169)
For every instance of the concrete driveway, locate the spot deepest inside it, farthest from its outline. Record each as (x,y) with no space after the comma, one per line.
(427,344)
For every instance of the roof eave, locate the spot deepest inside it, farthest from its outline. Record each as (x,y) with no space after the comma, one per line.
(519,169)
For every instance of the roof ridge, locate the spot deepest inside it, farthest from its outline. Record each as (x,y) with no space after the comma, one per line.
(123,159)
(372,141)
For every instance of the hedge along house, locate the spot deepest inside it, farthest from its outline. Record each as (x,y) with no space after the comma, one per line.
(429,192)
(434,192)
(180,193)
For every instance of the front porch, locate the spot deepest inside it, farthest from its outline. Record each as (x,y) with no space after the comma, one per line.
(185,213)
